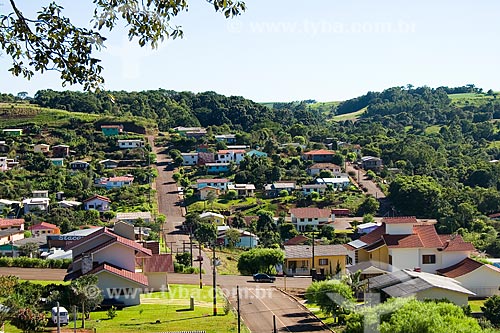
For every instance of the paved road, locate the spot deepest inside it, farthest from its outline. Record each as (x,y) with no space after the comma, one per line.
(361,179)
(34,273)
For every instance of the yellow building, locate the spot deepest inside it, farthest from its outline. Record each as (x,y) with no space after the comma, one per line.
(215,218)
(327,259)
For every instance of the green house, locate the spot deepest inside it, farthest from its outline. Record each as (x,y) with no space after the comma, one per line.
(111,130)
(59,162)
(13,131)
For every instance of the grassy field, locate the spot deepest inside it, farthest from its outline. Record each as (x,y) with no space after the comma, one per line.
(475,305)
(470,99)
(434,129)
(349,116)
(229,261)
(47,282)
(165,311)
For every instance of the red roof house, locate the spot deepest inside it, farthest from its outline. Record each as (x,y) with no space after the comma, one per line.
(44,228)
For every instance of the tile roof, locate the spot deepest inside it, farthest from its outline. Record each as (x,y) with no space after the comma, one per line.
(99,197)
(461,268)
(299,239)
(305,251)
(400,219)
(156,263)
(320,152)
(132,276)
(213,180)
(120,179)
(310,212)
(133,216)
(11,222)
(43,226)
(231,151)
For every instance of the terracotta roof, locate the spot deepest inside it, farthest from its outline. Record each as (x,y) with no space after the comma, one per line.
(494,215)
(120,179)
(11,222)
(310,212)
(43,226)
(299,239)
(233,151)
(136,277)
(157,263)
(402,241)
(428,236)
(463,267)
(400,219)
(373,236)
(115,237)
(97,196)
(320,152)
(341,211)
(214,180)
(457,243)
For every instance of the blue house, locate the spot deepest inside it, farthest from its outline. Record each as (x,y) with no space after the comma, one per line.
(110,130)
(217,167)
(57,161)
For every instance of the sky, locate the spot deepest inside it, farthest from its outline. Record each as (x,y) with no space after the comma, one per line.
(290,50)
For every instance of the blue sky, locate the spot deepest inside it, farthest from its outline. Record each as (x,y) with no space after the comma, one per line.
(285,50)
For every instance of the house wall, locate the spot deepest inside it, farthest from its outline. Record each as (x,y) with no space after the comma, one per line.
(304,265)
(380,255)
(189,159)
(399,229)
(451,258)
(455,297)
(130,144)
(11,238)
(404,258)
(108,283)
(90,244)
(220,186)
(117,255)
(157,281)
(484,281)
(97,205)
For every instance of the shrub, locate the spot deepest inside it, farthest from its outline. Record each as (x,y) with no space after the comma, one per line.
(111,313)
(26,262)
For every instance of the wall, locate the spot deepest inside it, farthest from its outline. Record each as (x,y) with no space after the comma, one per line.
(438,293)
(399,229)
(111,281)
(117,255)
(404,258)
(381,255)
(484,281)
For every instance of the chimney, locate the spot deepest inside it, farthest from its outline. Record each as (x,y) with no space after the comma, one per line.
(87,263)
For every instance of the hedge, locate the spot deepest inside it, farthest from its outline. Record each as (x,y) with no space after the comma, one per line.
(26,262)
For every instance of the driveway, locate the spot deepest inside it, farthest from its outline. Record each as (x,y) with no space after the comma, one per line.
(363,181)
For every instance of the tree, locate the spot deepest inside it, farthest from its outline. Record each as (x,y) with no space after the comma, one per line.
(369,206)
(232,237)
(260,260)
(491,310)
(287,231)
(29,249)
(331,296)
(183,258)
(238,220)
(85,293)
(29,320)
(211,196)
(50,41)
(206,232)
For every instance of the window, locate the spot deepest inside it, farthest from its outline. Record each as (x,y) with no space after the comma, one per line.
(323,262)
(390,259)
(429,259)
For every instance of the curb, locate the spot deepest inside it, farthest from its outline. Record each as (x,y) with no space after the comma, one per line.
(305,308)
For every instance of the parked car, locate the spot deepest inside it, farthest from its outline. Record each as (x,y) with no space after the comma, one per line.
(262,277)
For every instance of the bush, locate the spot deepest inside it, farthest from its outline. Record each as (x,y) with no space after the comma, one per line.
(112,312)
(491,310)
(26,262)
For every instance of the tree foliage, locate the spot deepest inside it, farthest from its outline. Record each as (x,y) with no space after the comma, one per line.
(334,297)
(260,260)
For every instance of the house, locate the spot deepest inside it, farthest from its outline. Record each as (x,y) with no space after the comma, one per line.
(205,158)
(8,236)
(316,168)
(60,151)
(230,155)
(112,258)
(65,240)
(156,268)
(340,212)
(355,148)
(58,161)
(256,153)
(79,165)
(407,243)
(218,167)
(9,207)
(11,224)
(111,130)
(69,203)
(189,158)
(421,285)
(371,163)
(41,148)
(220,183)
(482,279)
(321,155)
(243,190)
(44,228)
(97,202)
(115,182)
(3,164)
(318,188)
(191,132)
(337,183)
(217,219)
(226,138)
(297,240)
(203,193)
(109,164)
(38,203)
(40,194)
(328,259)
(273,190)
(365,228)
(309,216)
(247,239)
(133,217)
(130,143)
(13,131)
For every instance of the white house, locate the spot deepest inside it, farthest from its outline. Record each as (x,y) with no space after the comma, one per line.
(79,165)
(133,217)
(36,204)
(3,164)
(189,158)
(247,239)
(215,218)
(97,202)
(115,182)
(318,188)
(220,183)
(316,168)
(243,190)
(314,217)
(230,155)
(112,257)
(130,143)
(41,148)
(339,183)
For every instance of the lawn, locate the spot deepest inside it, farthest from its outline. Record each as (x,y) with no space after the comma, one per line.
(434,129)
(349,116)
(229,261)
(166,311)
(46,282)
(475,305)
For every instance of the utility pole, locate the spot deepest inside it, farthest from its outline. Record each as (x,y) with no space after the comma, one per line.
(191,247)
(214,281)
(201,261)
(238,302)
(58,319)
(275,330)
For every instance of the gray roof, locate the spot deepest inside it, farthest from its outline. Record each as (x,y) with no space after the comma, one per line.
(406,283)
(134,216)
(305,251)
(40,240)
(82,232)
